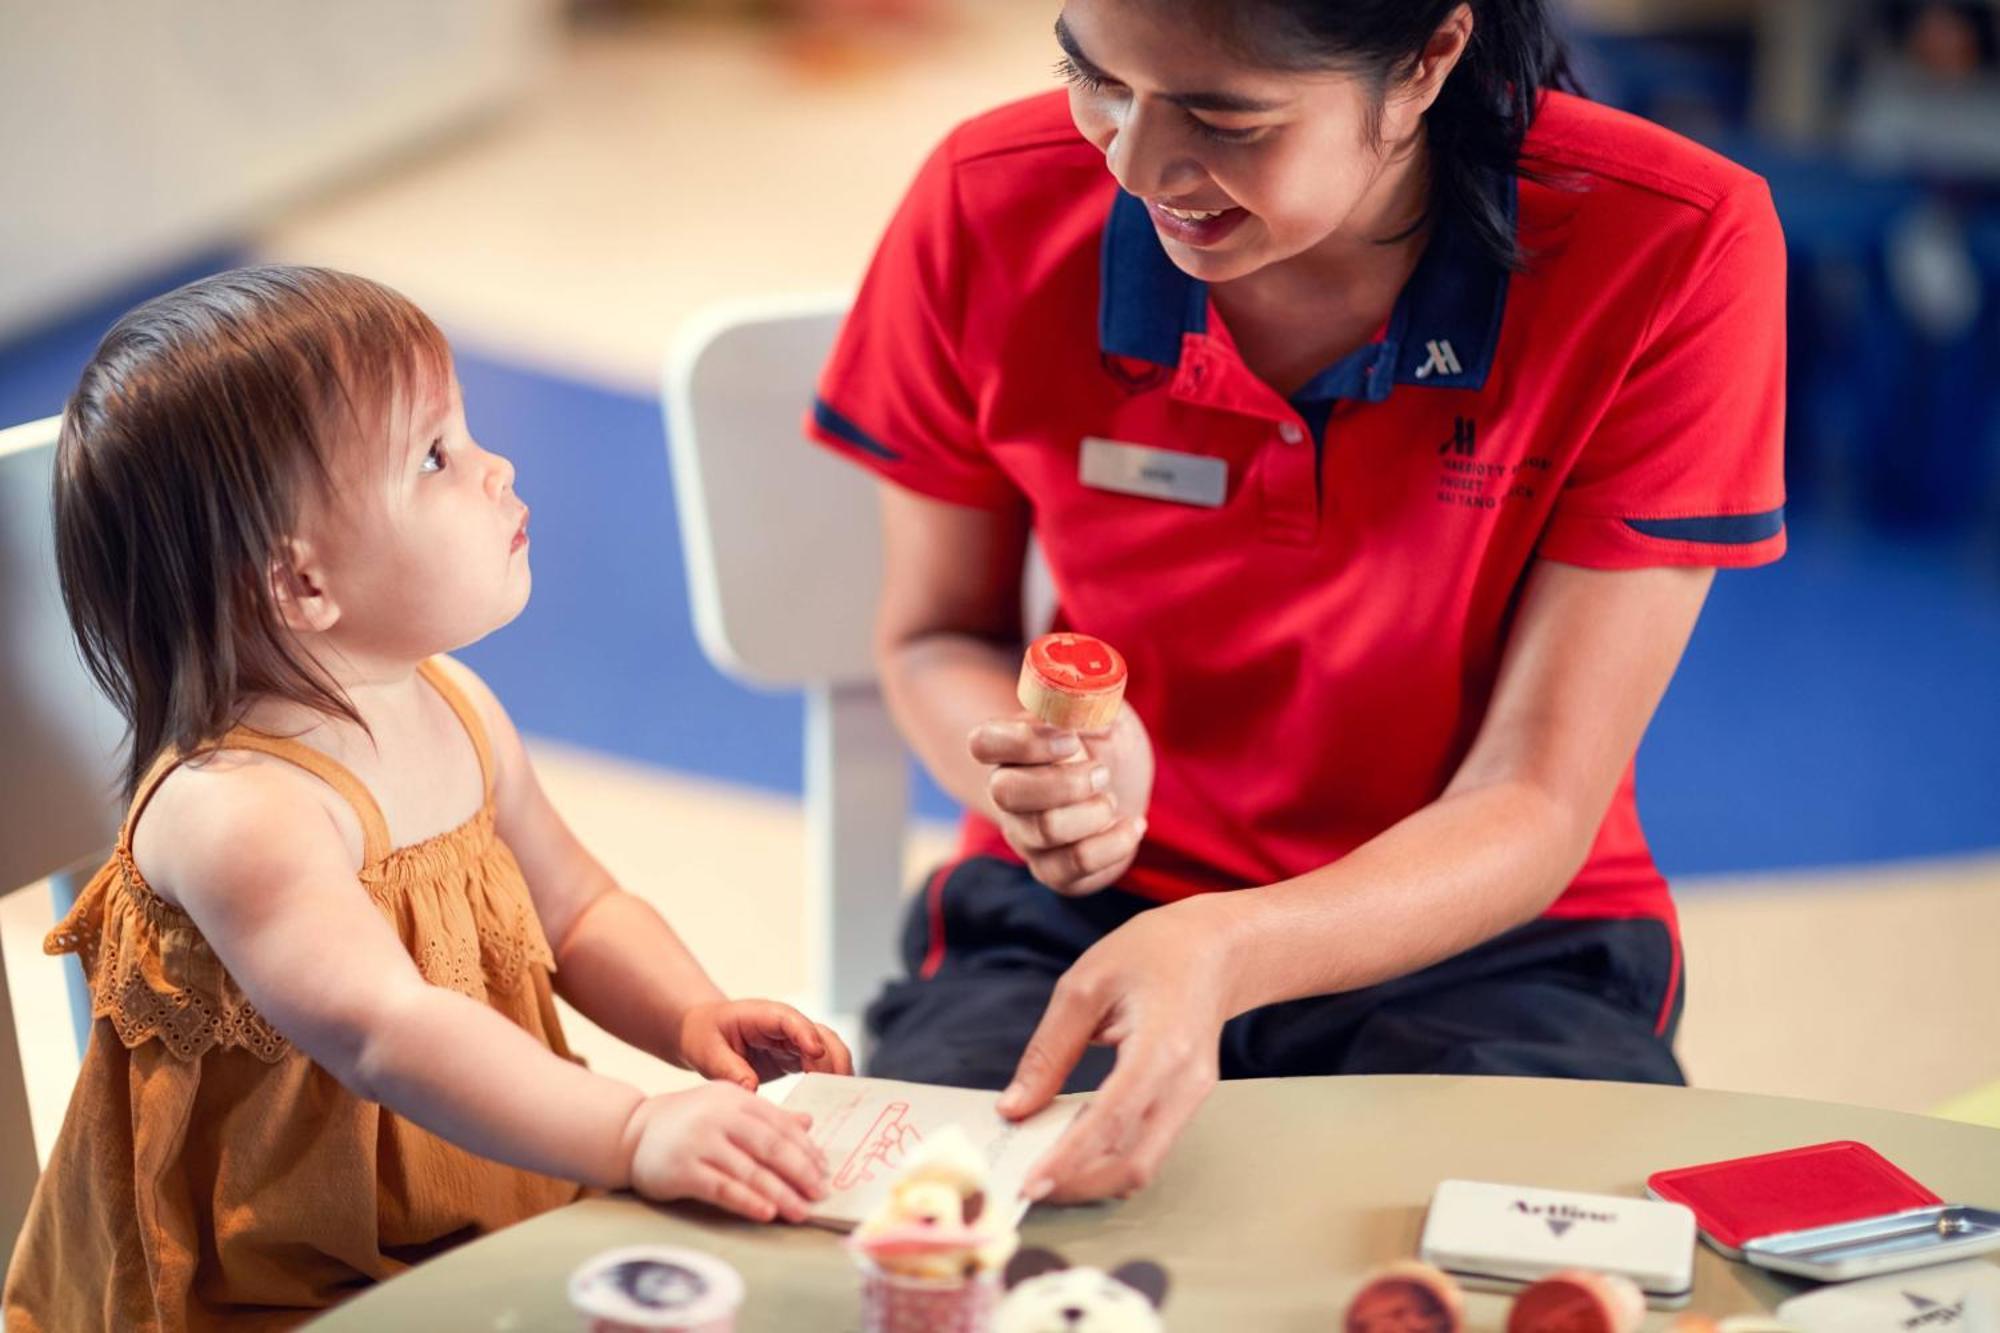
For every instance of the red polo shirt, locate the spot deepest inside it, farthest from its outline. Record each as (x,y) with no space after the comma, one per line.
(1314,594)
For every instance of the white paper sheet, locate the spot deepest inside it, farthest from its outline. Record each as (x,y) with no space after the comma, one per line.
(869,1126)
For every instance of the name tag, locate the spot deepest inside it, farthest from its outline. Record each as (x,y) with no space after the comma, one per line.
(1156,474)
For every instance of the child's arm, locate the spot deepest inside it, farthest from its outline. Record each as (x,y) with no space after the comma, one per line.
(293,926)
(617,959)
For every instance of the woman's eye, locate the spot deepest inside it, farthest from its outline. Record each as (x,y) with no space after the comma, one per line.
(1224,134)
(434,458)
(1068,71)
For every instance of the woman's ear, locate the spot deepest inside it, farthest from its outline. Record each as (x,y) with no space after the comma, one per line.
(298,589)
(1411,97)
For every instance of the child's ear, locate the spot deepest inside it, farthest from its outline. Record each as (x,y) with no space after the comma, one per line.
(298,590)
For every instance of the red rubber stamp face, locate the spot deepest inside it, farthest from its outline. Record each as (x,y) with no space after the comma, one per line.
(1076,661)
(1395,1306)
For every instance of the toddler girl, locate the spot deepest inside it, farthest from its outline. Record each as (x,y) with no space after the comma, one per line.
(324,953)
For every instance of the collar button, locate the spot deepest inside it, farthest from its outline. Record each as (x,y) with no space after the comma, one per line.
(1290,432)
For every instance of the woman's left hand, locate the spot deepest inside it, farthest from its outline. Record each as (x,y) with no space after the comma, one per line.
(748,1041)
(1157,988)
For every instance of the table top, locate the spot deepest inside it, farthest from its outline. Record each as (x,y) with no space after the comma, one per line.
(1280,1198)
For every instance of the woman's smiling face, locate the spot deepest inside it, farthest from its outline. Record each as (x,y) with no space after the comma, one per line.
(1239,164)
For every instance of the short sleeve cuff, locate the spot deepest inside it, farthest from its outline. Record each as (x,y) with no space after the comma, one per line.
(827,425)
(1721,541)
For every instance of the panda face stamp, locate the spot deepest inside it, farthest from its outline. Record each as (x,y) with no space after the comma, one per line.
(1046,1295)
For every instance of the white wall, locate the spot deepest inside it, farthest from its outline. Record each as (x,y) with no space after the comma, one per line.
(136,132)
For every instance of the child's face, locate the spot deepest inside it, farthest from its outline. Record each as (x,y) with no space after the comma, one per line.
(1287,158)
(426,547)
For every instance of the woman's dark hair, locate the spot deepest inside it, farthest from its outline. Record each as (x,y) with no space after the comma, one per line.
(206,420)
(1476,125)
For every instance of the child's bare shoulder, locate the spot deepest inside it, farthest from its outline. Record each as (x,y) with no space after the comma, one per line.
(237,817)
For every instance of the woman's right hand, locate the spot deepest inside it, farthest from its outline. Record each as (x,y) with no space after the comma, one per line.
(731,1148)
(1077,822)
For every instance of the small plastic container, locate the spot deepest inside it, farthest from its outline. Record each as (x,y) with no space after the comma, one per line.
(656,1289)
(892,1303)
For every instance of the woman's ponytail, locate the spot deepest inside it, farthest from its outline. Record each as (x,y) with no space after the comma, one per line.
(1482,115)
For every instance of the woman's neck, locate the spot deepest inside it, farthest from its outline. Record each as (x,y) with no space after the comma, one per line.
(1293,318)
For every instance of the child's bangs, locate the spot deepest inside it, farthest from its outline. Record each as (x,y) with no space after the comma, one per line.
(389,360)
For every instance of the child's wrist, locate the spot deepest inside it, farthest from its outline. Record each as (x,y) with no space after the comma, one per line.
(682,1016)
(619,1177)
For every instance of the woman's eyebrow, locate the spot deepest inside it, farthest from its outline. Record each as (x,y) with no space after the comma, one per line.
(1235,103)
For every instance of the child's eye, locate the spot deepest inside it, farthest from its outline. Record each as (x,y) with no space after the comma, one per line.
(433,458)
(1068,71)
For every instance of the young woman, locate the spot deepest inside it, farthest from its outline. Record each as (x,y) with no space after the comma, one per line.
(1390,409)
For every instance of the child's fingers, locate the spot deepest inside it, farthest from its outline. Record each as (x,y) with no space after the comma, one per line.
(800,1033)
(712,1186)
(836,1060)
(795,1162)
(790,1125)
(714,1058)
(745,1169)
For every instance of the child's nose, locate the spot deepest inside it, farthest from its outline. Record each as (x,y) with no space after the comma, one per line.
(499,475)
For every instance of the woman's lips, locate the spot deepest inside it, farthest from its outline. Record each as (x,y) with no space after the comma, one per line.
(1196,227)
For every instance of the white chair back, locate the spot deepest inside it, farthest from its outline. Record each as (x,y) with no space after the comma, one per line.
(59,742)
(784,559)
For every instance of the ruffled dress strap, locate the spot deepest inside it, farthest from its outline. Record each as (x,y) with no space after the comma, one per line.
(374,829)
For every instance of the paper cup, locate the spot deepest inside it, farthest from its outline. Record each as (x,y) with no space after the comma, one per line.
(894,1304)
(656,1289)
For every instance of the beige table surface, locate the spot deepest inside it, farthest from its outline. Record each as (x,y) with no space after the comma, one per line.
(1279,1198)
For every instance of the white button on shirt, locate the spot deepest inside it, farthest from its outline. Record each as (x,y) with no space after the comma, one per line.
(1290,432)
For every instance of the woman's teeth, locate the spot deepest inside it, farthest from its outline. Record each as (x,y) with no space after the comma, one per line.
(1193,214)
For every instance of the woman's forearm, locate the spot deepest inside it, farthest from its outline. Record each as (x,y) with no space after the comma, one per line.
(626,970)
(939,688)
(463,1072)
(1472,864)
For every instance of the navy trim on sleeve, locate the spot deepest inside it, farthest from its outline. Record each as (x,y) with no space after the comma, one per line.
(838,426)
(1720,530)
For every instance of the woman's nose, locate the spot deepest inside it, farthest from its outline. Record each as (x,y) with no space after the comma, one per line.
(1137,155)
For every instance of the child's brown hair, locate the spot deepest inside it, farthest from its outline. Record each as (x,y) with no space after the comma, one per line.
(206,420)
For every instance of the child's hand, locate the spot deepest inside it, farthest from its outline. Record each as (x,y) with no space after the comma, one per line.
(748,1041)
(728,1147)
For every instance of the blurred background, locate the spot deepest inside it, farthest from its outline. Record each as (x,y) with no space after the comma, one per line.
(561,184)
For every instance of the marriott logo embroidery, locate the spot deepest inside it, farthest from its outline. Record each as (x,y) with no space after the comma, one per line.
(1560,1216)
(1464,439)
(1443,361)
(1930,1313)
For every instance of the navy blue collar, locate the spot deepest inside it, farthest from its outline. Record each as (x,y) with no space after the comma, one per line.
(1441,335)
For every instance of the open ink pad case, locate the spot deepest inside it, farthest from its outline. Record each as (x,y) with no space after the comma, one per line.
(1829,1211)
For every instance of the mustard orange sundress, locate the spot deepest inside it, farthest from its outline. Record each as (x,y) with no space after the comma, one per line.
(208,1175)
